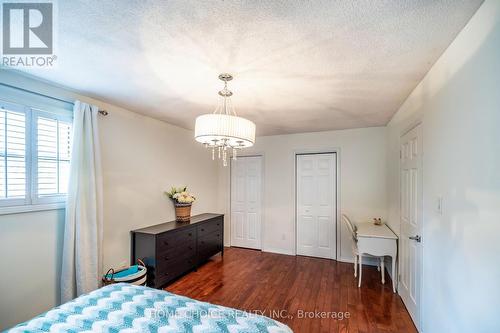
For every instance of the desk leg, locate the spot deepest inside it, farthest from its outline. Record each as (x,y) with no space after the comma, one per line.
(360,269)
(355,265)
(382,269)
(394,277)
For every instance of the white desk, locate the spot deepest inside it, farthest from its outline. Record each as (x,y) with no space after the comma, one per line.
(377,240)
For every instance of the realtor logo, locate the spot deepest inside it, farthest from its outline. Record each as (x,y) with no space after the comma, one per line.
(27,28)
(28,33)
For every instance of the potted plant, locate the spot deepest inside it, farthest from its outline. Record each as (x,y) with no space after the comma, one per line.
(182,201)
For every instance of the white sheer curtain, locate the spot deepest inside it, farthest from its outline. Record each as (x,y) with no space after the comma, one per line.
(82,250)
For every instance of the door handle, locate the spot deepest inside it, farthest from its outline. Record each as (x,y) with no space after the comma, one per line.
(416,238)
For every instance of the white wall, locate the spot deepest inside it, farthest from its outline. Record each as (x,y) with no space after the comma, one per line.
(458,103)
(30,255)
(362,181)
(141,158)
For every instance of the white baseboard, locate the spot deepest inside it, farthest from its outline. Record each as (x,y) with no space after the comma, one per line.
(273,250)
(278,251)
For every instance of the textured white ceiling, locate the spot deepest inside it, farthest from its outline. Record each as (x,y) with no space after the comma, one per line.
(299,66)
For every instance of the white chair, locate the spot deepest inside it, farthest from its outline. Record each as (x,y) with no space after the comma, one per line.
(355,253)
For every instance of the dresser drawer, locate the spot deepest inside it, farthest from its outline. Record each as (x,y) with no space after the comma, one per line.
(209,245)
(209,227)
(185,250)
(173,240)
(168,271)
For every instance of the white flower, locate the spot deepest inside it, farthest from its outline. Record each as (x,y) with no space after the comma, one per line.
(185,199)
(180,195)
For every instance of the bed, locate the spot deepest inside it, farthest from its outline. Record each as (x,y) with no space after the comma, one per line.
(128,308)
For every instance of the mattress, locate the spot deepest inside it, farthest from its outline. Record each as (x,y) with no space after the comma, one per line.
(128,308)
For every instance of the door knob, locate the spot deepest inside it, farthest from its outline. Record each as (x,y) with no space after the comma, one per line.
(416,238)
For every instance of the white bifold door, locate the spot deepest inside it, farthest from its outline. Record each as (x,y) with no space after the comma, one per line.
(410,257)
(246,205)
(316,205)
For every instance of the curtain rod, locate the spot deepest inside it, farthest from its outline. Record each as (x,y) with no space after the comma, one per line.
(103,112)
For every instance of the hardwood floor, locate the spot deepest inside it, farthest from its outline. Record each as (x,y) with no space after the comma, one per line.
(285,287)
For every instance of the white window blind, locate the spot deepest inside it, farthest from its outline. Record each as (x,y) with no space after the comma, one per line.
(12,153)
(53,147)
(35,153)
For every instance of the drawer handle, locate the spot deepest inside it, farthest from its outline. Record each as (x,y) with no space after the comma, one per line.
(218,223)
(190,247)
(166,258)
(165,243)
(190,234)
(202,229)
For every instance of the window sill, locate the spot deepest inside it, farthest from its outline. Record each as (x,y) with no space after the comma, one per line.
(31,208)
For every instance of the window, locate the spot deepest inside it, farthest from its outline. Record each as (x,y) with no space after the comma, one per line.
(13,153)
(35,151)
(53,149)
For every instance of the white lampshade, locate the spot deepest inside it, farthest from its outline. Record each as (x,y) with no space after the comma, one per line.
(212,128)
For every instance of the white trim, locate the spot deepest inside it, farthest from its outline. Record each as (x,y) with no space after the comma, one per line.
(279,251)
(336,151)
(31,208)
(8,202)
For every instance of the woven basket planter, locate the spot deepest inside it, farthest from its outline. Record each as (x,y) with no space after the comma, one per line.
(182,212)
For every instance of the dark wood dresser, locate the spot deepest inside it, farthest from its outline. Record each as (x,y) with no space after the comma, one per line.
(172,249)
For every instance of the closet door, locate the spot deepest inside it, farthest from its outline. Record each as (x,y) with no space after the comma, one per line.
(316,205)
(246,205)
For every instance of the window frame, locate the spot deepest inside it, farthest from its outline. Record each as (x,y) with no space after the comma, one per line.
(31,201)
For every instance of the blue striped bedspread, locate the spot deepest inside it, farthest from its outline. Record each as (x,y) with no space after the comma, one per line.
(127,308)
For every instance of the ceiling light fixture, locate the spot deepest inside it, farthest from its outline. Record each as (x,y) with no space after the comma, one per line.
(223,130)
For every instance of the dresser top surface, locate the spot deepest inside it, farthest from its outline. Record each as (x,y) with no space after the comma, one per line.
(172,225)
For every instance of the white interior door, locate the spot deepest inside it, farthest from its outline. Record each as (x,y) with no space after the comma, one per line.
(246,208)
(411,222)
(316,205)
